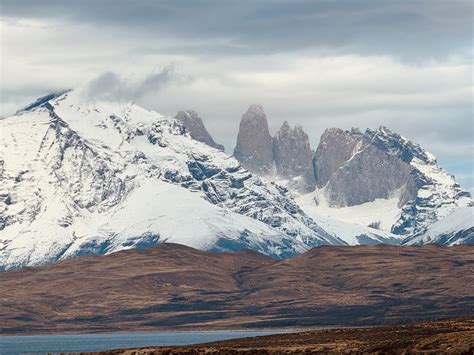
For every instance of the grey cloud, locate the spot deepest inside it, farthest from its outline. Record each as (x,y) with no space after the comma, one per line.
(111,86)
(154,82)
(106,86)
(405,29)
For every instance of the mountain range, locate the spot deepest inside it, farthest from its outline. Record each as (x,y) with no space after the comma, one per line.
(83,177)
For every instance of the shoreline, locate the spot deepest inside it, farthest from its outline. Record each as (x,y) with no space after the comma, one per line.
(279,330)
(203,330)
(443,336)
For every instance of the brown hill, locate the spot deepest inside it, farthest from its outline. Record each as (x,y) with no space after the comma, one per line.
(173,286)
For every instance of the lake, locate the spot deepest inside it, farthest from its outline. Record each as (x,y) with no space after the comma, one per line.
(40,344)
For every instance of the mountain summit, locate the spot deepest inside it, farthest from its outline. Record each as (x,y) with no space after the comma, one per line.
(194,124)
(254,147)
(286,157)
(293,157)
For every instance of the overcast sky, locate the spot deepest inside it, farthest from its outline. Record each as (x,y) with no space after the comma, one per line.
(403,64)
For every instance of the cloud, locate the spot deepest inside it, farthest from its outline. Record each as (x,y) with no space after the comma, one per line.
(320,63)
(411,30)
(110,86)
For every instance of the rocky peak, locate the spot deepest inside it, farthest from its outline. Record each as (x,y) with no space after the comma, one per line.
(293,155)
(43,100)
(396,145)
(195,126)
(254,148)
(284,129)
(288,153)
(336,146)
(299,129)
(255,112)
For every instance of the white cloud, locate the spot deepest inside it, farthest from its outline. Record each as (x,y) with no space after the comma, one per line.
(429,101)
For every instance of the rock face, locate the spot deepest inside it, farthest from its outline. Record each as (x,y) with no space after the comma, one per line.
(254,148)
(286,156)
(336,146)
(355,168)
(370,175)
(195,126)
(293,157)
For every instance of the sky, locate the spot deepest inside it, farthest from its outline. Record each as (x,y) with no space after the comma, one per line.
(406,65)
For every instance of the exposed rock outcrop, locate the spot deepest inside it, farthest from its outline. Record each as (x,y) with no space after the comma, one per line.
(293,157)
(195,126)
(286,156)
(356,168)
(254,148)
(371,174)
(336,146)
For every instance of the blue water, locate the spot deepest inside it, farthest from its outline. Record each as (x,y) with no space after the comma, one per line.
(40,344)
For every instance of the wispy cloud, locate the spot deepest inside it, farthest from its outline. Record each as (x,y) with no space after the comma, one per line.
(111,86)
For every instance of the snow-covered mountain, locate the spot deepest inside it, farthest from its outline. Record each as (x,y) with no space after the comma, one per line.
(369,187)
(80,178)
(455,228)
(381,179)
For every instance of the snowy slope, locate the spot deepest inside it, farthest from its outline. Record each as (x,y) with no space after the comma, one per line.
(455,228)
(438,196)
(381,212)
(79,177)
(351,224)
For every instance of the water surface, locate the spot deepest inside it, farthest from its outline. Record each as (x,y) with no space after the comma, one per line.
(41,344)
